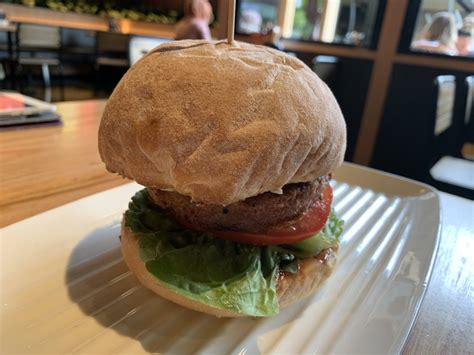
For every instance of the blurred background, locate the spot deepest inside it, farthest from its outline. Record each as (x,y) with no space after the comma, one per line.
(402,71)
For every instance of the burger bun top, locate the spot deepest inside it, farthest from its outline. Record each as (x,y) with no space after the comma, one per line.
(221,123)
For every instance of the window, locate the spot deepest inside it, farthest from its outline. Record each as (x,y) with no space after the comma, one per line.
(307,20)
(334,21)
(445,27)
(349,22)
(257,16)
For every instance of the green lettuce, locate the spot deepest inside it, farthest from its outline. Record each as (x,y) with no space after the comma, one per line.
(219,273)
(220,277)
(324,239)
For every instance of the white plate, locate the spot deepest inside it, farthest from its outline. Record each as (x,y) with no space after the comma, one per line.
(65,288)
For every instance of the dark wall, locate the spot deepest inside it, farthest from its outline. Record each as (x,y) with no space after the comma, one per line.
(349,82)
(351,86)
(405,140)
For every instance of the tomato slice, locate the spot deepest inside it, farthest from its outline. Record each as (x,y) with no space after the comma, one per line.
(310,223)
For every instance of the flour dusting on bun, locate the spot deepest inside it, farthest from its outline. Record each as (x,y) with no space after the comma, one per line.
(235,145)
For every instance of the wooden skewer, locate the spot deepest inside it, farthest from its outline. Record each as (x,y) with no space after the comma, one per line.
(231,22)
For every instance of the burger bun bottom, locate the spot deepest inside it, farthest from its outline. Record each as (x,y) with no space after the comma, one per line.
(291,287)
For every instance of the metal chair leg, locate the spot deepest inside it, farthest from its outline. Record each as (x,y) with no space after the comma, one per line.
(47,82)
(17,78)
(61,82)
(2,72)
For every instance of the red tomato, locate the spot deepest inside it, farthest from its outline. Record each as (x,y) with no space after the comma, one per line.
(310,223)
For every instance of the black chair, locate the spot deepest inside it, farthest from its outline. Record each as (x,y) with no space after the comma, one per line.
(469,110)
(326,68)
(415,127)
(111,50)
(39,45)
(422,133)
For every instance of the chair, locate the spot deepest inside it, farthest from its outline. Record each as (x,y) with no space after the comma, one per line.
(447,171)
(7,65)
(326,68)
(111,50)
(442,139)
(469,110)
(467,149)
(39,45)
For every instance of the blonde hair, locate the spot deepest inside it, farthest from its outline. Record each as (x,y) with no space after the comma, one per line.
(442,29)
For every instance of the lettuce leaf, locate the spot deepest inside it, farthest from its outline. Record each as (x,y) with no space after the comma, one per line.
(219,273)
(220,277)
(324,239)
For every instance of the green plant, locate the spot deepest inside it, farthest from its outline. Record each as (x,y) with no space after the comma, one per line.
(107,8)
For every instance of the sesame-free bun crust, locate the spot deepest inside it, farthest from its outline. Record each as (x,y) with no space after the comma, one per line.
(221,123)
(291,288)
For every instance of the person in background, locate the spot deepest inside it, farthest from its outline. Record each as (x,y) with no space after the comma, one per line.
(439,36)
(464,43)
(250,22)
(195,23)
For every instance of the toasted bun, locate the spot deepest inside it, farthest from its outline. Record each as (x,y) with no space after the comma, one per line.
(221,123)
(291,288)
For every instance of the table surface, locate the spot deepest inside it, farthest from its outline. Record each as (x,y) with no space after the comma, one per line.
(43,167)
(46,166)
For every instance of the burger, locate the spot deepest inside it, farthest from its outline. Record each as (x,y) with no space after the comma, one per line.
(235,146)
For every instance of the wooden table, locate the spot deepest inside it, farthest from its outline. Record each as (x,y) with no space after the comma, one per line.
(45,167)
